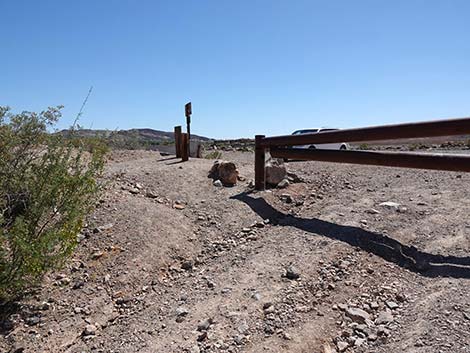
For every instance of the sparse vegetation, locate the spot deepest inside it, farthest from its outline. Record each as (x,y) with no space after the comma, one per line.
(134,139)
(213,155)
(364,146)
(47,187)
(417,146)
(242,145)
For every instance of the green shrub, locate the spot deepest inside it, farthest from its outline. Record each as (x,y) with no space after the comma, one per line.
(47,187)
(213,155)
(168,143)
(417,146)
(364,146)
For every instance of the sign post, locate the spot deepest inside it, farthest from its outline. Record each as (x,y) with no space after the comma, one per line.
(188,111)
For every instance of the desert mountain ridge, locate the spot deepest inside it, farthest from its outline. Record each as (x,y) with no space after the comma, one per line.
(139,133)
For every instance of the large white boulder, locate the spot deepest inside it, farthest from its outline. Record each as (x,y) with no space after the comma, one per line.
(275,172)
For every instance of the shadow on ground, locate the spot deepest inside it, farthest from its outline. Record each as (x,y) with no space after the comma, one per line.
(389,249)
(176,160)
(8,310)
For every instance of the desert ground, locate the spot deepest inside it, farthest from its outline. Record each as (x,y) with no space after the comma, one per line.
(350,259)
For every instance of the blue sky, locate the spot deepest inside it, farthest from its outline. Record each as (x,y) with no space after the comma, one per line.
(249,66)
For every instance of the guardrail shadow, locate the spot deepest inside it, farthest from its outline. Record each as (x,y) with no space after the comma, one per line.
(391,250)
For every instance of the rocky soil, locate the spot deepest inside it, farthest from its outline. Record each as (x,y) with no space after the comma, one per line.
(352,259)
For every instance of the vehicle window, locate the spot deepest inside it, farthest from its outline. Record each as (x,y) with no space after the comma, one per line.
(322,130)
(307,131)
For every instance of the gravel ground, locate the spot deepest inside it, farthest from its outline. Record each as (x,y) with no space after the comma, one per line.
(171,263)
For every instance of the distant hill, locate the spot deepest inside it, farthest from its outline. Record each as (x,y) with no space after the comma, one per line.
(133,138)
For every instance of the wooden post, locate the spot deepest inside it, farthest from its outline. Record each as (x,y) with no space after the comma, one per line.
(199,151)
(260,160)
(178,141)
(184,147)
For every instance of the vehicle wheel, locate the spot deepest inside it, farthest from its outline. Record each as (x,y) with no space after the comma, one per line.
(312,147)
(286,160)
(343,148)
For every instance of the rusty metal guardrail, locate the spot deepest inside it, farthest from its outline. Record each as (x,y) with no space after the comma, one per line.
(278,147)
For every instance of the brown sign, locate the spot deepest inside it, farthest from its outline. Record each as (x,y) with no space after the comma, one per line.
(187,109)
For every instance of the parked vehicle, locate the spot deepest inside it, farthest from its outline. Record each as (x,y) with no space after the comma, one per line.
(326,146)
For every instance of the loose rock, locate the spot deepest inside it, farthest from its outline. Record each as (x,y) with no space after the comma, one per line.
(342,346)
(89,330)
(283,184)
(275,172)
(390,204)
(292,273)
(224,171)
(204,325)
(358,315)
(384,317)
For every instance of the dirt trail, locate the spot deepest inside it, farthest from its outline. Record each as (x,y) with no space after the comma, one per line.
(171,263)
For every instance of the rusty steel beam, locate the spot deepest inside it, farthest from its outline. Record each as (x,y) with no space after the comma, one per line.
(448,127)
(435,161)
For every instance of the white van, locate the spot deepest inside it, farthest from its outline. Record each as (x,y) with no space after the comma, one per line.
(326,146)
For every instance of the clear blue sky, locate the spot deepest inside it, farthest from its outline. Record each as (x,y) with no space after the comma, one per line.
(249,66)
